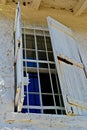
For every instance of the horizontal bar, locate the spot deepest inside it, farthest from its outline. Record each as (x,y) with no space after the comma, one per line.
(39,61)
(44,93)
(45,107)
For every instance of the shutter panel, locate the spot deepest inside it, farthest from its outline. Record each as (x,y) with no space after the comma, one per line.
(72,78)
(19,97)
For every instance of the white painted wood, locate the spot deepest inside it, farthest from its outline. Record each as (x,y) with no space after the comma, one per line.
(72,78)
(18,56)
(80,7)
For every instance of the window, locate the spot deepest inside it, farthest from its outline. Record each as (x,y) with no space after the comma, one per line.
(43,94)
(37,67)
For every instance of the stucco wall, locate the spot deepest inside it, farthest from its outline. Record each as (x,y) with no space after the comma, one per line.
(6,65)
(12,121)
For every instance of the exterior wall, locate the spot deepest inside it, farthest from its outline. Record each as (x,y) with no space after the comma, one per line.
(11,120)
(6,65)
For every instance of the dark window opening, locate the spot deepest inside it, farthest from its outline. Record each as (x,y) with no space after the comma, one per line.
(30,43)
(43,65)
(34,99)
(50,56)
(40,43)
(30,55)
(43,93)
(34,110)
(48,41)
(42,56)
(49,112)
(45,83)
(29,64)
(33,86)
(47,100)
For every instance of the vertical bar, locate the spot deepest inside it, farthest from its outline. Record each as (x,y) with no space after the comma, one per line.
(26,64)
(15,78)
(38,70)
(49,72)
(59,93)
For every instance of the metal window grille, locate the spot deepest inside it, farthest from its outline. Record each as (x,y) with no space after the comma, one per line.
(43,93)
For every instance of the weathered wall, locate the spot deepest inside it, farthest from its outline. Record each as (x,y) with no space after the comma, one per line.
(6,65)
(18,121)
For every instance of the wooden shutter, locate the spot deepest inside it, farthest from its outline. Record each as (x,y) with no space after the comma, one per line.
(19,96)
(71,74)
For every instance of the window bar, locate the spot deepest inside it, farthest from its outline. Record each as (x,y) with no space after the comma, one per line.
(50,73)
(26,66)
(45,107)
(38,71)
(39,61)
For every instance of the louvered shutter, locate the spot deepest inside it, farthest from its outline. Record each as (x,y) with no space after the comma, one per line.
(71,74)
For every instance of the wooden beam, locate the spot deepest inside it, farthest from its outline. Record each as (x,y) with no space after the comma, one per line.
(80,7)
(35,4)
(3,1)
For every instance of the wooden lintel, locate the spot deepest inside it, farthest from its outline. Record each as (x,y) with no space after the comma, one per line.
(35,4)
(3,1)
(80,7)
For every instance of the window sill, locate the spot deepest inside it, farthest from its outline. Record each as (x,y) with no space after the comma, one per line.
(45,120)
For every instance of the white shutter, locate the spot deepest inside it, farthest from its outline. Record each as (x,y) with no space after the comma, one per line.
(72,78)
(19,97)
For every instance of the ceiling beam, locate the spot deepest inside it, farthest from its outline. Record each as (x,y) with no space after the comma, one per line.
(35,4)
(80,7)
(3,1)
